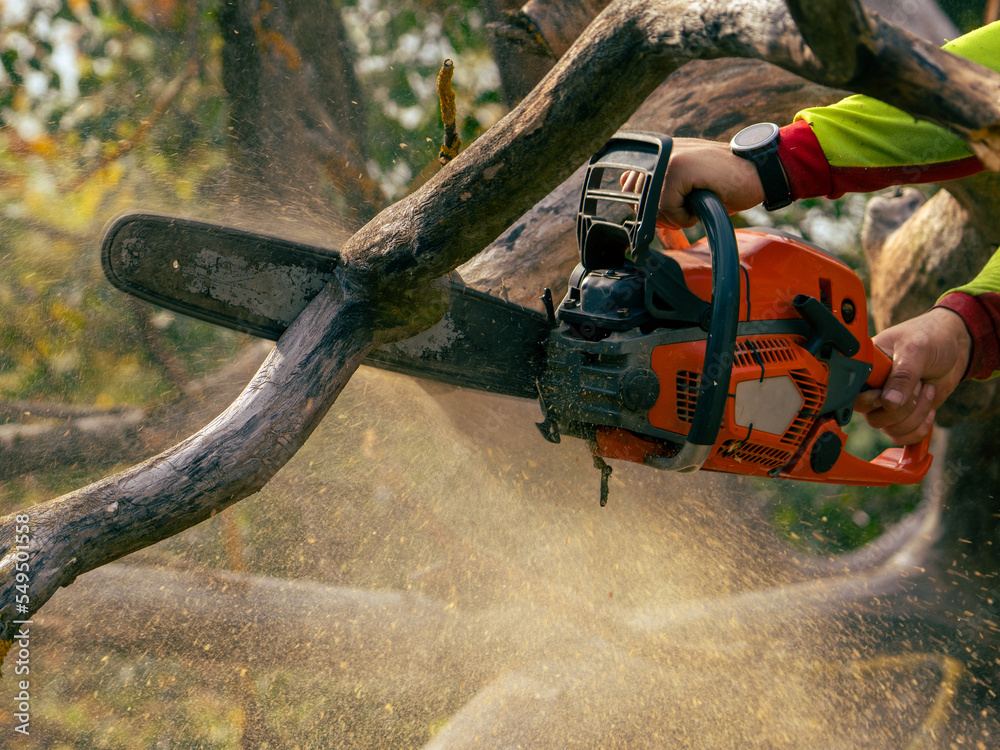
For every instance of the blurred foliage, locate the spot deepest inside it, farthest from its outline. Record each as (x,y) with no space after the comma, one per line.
(829,519)
(400,49)
(114,106)
(126,115)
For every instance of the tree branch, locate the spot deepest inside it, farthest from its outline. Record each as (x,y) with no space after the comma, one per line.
(231,458)
(834,31)
(40,445)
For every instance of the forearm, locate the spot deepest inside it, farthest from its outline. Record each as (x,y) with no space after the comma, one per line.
(861,144)
(815,171)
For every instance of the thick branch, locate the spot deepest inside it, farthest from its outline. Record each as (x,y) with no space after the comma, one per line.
(834,31)
(560,23)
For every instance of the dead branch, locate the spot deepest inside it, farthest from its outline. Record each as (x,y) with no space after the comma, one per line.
(28,410)
(40,445)
(452,143)
(624,55)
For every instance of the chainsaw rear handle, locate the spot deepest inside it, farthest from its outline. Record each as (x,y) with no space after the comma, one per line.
(909,455)
(713,389)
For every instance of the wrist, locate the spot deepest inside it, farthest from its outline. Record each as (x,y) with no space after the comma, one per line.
(954,333)
(984,341)
(750,187)
(758,145)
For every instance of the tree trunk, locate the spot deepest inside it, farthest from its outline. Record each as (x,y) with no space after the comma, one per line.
(294,106)
(918,262)
(388,265)
(520,69)
(939,247)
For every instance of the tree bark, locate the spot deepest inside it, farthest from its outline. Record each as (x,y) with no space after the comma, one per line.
(429,655)
(544,29)
(388,265)
(918,262)
(979,195)
(520,69)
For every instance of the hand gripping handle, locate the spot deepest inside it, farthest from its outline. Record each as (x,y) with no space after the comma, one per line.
(909,457)
(900,465)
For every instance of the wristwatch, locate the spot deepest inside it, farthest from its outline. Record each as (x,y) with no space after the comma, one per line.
(759,144)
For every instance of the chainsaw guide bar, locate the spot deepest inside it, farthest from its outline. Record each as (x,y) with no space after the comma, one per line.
(240,280)
(258,284)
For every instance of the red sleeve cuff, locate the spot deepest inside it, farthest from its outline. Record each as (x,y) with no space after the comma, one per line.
(811,176)
(805,164)
(981,315)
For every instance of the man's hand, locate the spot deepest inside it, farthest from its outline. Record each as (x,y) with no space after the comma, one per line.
(930,354)
(694,164)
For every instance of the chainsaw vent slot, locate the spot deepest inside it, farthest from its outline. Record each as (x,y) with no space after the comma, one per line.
(687,394)
(766,351)
(813,395)
(761,455)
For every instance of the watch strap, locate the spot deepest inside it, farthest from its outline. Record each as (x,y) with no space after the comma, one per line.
(759,144)
(777,193)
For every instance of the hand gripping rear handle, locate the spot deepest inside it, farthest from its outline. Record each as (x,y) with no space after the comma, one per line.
(911,461)
(900,465)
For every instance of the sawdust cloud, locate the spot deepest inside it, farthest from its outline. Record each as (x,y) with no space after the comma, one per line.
(429,572)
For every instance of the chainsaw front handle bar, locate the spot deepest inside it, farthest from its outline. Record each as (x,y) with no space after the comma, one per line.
(713,389)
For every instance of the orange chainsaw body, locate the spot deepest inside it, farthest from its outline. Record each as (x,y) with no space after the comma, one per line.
(772,419)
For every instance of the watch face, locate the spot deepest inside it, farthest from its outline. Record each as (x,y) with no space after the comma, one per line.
(755,135)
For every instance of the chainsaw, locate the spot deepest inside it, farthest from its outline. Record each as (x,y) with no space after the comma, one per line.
(740,353)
